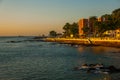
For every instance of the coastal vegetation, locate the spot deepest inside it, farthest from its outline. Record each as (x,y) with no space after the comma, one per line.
(70,30)
(52,33)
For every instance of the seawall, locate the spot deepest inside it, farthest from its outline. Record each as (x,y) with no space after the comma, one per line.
(87,41)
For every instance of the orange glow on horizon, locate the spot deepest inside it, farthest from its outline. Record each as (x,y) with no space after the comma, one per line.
(25,30)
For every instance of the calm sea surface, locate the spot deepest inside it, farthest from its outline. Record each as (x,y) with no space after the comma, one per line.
(27,60)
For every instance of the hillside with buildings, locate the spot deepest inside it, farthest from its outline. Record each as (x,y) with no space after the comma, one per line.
(87,27)
(107,25)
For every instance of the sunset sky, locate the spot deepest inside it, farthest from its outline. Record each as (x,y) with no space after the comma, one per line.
(37,17)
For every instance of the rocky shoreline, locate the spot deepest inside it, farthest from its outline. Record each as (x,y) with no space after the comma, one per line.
(87,42)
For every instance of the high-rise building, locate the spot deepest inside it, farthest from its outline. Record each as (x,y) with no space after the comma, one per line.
(82,23)
(88,23)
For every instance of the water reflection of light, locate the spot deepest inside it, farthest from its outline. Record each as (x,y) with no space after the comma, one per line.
(81,49)
(101,50)
(98,50)
(95,50)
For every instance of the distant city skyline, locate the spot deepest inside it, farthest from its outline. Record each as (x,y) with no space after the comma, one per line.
(37,17)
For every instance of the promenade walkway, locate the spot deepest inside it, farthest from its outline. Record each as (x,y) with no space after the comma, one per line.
(87,41)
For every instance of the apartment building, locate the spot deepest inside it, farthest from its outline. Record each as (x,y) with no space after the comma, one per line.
(82,23)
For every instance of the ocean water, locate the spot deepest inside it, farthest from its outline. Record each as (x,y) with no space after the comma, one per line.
(26,60)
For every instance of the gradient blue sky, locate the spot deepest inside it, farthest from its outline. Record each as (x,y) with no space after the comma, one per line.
(36,17)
